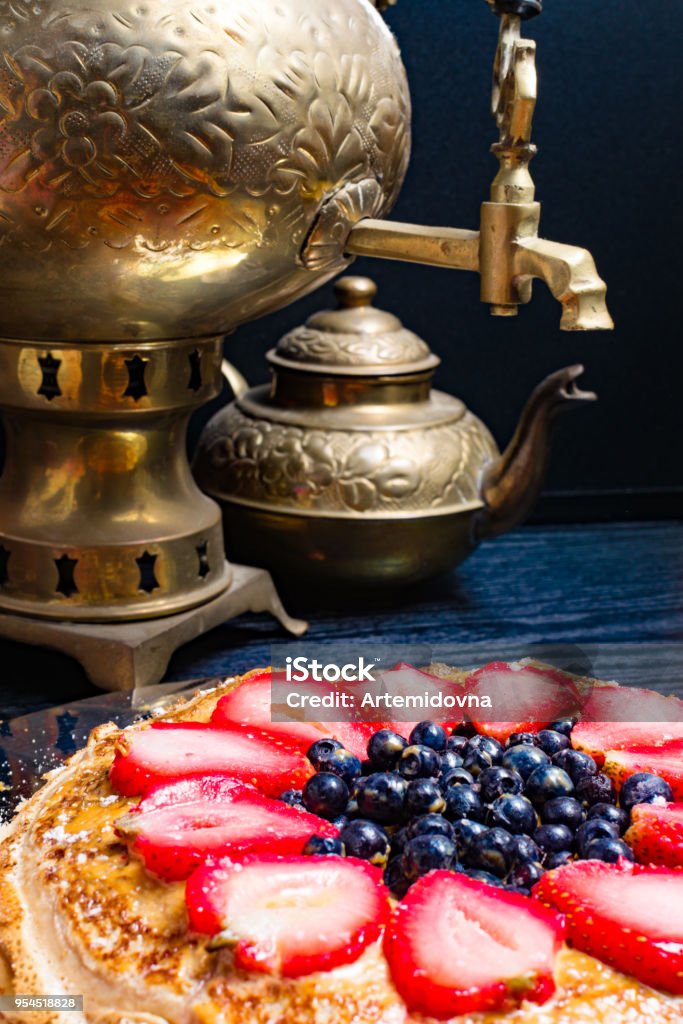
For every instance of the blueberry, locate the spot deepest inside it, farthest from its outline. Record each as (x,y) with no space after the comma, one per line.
(398,841)
(340,822)
(293,797)
(385,748)
(465,729)
(563,725)
(464,831)
(592,830)
(527,739)
(525,851)
(489,745)
(319,752)
(382,797)
(514,813)
(427,853)
(457,744)
(492,851)
(553,838)
(367,841)
(326,794)
(525,876)
(596,789)
(548,782)
(456,777)
(524,759)
(551,742)
(449,760)
(497,782)
(575,763)
(609,849)
(644,788)
(394,879)
(429,734)
(419,762)
(319,846)
(464,802)
(558,860)
(424,797)
(429,825)
(344,764)
(612,813)
(484,876)
(476,761)
(563,810)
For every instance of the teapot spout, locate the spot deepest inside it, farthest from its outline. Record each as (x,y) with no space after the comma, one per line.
(511,484)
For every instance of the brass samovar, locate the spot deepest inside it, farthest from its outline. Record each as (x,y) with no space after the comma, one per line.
(167,172)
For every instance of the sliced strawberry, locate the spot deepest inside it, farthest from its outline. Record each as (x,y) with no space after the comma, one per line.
(407,681)
(626,914)
(656,834)
(458,946)
(177,826)
(666,762)
(251,703)
(167,751)
(523,698)
(290,915)
(621,717)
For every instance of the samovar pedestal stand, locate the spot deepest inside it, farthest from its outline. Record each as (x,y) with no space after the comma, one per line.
(108,550)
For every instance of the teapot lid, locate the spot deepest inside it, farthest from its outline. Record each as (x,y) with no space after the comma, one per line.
(355,339)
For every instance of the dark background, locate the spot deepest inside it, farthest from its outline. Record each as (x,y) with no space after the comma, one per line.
(608,128)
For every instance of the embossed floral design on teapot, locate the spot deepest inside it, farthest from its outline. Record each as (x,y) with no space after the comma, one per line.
(349,467)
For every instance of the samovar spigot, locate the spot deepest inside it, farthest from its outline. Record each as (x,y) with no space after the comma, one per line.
(506,251)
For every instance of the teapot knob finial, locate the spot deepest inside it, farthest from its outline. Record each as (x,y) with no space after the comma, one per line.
(352,292)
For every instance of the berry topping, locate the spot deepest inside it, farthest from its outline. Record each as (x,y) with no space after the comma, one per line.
(575,763)
(427,853)
(476,761)
(367,841)
(525,850)
(449,760)
(429,824)
(527,739)
(667,762)
(320,752)
(326,794)
(564,810)
(525,876)
(611,813)
(552,742)
(547,783)
(177,826)
(492,851)
(167,751)
(319,846)
(419,762)
(292,797)
(656,834)
(385,748)
(290,916)
(621,718)
(424,797)
(590,831)
(514,813)
(524,759)
(609,849)
(457,743)
(489,745)
(625,914)
(457,946)
(495,782)
(553,839)
(557,860)
(529,696)
(455,777)
(595,789)
(381,797)
(464,802)
(429,734)
(563,725)
(644,788)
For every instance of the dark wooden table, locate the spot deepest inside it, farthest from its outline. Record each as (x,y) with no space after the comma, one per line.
(583,589)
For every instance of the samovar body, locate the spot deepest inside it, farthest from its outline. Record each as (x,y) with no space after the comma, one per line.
(161,167)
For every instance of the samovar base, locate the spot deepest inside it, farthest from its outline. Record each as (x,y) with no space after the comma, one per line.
(128,655)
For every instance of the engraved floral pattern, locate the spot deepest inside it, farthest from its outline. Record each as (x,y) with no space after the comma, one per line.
(307,345)
(287,467)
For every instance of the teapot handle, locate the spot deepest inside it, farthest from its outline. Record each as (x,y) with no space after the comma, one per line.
(236,381)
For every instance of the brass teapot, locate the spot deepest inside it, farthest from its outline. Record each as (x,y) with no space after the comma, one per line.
(349,468)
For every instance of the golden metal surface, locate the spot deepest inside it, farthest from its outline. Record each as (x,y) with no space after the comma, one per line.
(506,251)
(99,515)
(163,163)
(349,468)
